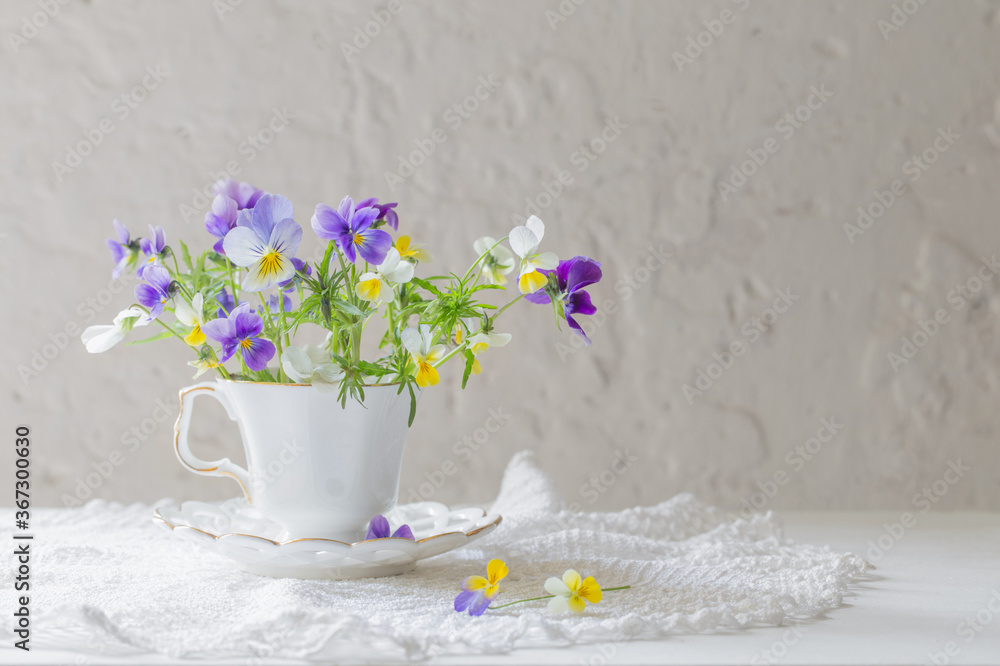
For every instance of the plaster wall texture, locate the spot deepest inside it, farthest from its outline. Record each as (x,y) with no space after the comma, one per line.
(826,104)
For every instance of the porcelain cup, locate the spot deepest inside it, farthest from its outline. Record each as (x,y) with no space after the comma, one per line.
(319,469)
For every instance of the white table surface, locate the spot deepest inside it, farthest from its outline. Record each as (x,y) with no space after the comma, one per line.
(936,576)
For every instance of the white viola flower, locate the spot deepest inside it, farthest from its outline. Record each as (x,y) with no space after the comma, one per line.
(481,341)
(497,263)
(311,365)
(102,338)
(571,592)
(424,352)
(375,286)
(192,315)
(524,241)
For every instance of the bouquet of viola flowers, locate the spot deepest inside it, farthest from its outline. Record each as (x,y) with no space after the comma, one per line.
(243,301)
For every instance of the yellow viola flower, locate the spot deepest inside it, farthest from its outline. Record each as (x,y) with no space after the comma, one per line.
(571,592)
(192,315)
(408,250)
(424,353)
(478,592)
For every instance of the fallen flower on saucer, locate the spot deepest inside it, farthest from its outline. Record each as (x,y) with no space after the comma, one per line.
(478,592)
(379,528)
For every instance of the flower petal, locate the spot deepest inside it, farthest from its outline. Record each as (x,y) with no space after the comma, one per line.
(427,375)
(531,282)
(545,261)
(463,600)
(401,274)
(576,604)
(246,322)
(328,223)
(391,261)
(536,226)
(101,338)
(557,587)
(496,570)
(481,245)
(257,353)
(590,590)
(378,528)
(195,337)
(369,287)
(374,246)
(285,239)
(297,364)
(243,246)
(474,583)
(220,330)
(147,295)
(269,210)
(572,580)
(523,241)
(558,604)
(411,340)
(479,604)
(185,313)
(583,271)
(404,532)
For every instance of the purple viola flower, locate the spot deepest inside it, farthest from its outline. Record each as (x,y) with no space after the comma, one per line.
(226,303)
(241,332)
(571,276)
(273,307)
(221,219)
(244,194)
(385,212)
(152,247)
(264,242)
(378,528)
(156,294)
(351,227)
(123,249)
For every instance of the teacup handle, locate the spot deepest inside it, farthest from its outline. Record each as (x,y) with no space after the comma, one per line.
(223,467)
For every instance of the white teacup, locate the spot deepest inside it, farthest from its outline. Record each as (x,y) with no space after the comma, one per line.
(318,469)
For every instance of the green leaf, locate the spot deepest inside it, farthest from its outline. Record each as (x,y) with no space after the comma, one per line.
(158,336)
(370,368)
(470,360)
(413,405)
(185,255)
(427,285)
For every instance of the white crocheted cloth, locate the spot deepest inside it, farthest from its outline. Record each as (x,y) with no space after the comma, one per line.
(107,571)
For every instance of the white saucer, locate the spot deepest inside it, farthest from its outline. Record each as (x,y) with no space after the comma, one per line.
(238,531)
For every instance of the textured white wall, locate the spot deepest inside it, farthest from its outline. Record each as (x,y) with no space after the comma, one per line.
(656,185)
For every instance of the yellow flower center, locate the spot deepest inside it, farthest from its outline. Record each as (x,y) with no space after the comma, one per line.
(246,344)
(270,263)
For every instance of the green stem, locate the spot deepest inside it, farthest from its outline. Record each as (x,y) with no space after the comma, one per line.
(549,596)
(501,310)
(454,351)
(284,323)
(232,283)
(277,338)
